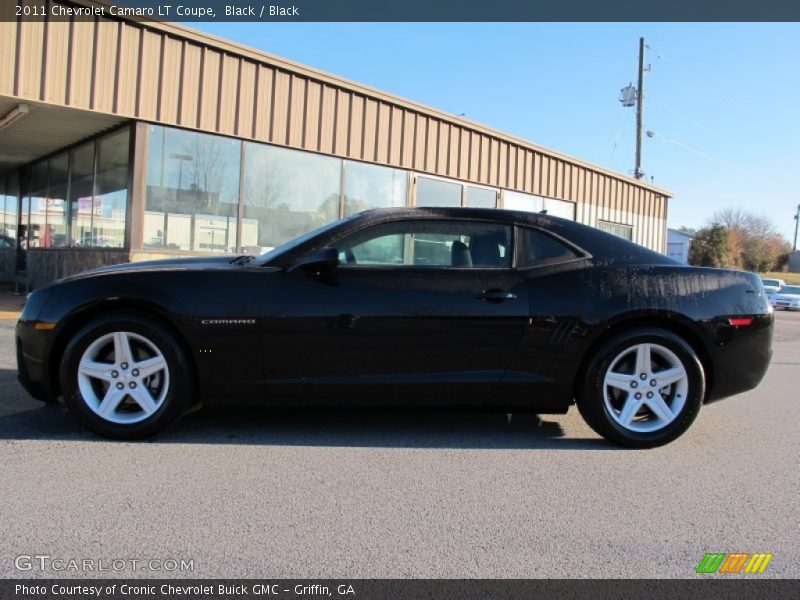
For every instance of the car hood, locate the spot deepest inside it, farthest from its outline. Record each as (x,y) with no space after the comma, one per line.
(203,263)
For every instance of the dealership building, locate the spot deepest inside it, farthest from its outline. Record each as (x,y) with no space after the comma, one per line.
(125,140)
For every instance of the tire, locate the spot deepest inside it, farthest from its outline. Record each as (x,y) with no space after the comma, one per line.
(125,394)
(642,412)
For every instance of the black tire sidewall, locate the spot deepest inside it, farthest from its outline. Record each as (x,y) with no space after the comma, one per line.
(592,405)
(178,396)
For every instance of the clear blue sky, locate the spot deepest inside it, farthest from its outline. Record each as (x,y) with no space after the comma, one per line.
(723,99)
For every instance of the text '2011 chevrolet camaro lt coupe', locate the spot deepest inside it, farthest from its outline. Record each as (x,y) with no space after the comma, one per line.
(473,309)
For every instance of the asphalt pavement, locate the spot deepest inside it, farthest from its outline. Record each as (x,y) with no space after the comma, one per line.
(260,494)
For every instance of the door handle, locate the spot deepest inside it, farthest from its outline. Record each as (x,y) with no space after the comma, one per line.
(495,295)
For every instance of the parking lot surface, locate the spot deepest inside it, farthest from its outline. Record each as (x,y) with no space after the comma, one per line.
(260,494)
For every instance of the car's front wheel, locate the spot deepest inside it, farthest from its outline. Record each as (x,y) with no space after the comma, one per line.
(644,388)
(125,377)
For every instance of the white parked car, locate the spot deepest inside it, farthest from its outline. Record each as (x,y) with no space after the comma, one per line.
(772,285)
(788,297)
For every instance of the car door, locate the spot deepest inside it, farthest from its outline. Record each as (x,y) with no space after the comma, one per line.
(425,311)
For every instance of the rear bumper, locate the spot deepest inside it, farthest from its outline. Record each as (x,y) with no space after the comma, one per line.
(740,357)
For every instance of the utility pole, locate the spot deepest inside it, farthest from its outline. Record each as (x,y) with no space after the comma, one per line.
(638,173)
(796,222)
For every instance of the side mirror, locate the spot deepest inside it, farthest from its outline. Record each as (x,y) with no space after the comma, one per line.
(326,259)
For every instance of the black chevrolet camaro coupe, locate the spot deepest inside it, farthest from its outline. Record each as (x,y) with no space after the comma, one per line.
(472,309)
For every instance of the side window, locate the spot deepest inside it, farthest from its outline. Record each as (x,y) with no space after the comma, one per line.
(459,244)
(537,248)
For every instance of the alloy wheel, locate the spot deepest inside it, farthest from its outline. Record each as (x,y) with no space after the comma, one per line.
(645,387)
(123,377)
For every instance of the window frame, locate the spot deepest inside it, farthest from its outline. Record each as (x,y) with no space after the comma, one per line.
(370,268)
(519,235)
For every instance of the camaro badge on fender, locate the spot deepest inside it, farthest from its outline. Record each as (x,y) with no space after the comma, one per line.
(228,322)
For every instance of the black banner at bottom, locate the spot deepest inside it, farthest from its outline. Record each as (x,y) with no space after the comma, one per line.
(369,589)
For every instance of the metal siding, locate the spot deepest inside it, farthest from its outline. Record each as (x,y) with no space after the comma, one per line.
(55,67)
(127,70)
(297,107)
(382,126)
(502,165)
(105,67)
(443,148)
(395,135)
(247,91)
(149,76)
(463,153)
(190,85)
(311,119)
(369,133)
(420,136)
(280,113)
(170,72)
(342,125)
(356,139)
(494,161)
(262,103)
(511,166)
(228,95)
(431,145)
(406,138)
(327,119)
(29,60)
(209,90)
(80,67)
(8,47)
(474,172)
(453,146)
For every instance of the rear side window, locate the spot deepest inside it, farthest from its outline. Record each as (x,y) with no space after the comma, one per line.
(537,248)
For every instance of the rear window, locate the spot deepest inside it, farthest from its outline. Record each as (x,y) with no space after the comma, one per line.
(772,282)
(537,248)
(790,289)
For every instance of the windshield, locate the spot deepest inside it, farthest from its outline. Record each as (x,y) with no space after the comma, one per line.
(790,289)
(294,243)
(771,282)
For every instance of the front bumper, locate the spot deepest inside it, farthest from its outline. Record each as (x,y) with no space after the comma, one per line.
(33,349)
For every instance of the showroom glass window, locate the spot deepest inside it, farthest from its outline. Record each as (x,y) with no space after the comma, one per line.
(9,231)
(55,235)
(192,191)
(109,206)
(3,216)
(478,197)
(560,208)
(524,202)
(37,212)
(81,191)
(286,193)
(437,192)
(370,186)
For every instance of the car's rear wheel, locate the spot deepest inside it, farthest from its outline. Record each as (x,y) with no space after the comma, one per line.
(125,377)
(643,388)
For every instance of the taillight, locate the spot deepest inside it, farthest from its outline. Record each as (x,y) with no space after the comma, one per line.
(740,321)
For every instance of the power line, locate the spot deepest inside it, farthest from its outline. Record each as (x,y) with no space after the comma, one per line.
(718,161)
(616,138)
(701,81)
(697,124)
